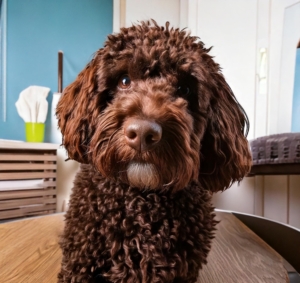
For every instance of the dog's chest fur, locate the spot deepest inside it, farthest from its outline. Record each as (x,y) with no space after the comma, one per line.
(139,233)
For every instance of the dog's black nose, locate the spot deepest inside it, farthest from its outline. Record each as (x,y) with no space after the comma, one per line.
(142,135)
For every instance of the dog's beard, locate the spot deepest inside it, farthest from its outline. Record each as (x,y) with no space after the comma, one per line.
(162,169)
(142,175)
(170,165)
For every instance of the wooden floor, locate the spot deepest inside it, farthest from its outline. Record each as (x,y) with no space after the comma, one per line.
(29,250)
(29,253)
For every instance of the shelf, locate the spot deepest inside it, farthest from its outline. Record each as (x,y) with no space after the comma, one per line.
(10,144)
(275,169)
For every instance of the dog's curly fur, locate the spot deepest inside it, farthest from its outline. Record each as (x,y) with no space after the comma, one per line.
(145,214)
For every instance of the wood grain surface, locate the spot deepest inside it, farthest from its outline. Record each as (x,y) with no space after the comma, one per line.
(29,253)
(238,255)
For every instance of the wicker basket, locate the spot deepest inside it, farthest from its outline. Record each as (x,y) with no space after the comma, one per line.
(281,148)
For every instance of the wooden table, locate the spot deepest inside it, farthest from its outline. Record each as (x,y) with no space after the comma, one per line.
(29,253)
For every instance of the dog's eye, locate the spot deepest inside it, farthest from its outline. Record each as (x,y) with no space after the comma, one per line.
(183,90)
(124,82)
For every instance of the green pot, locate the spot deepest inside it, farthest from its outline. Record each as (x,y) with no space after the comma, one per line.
(34,132)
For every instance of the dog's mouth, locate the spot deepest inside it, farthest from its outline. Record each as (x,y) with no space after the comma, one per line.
(143,175)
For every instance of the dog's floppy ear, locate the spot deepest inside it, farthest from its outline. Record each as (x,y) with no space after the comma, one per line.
(76,111)
(225,155)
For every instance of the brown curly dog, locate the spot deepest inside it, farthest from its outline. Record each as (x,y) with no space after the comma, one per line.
(157,130)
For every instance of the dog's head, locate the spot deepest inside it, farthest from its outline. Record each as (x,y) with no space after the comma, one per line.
(153,109)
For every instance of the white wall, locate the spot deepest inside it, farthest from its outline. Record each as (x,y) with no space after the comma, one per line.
(66,171)
(159,10)
(128,12)
(230,27)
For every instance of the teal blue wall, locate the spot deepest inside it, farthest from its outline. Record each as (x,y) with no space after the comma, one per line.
(296,98)
(36,31)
